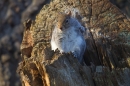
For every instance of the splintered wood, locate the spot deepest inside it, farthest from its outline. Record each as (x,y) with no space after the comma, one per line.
(107,56)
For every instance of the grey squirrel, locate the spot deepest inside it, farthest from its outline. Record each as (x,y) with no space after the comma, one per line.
(67,36)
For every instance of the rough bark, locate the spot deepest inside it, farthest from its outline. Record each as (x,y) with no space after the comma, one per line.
(107,56)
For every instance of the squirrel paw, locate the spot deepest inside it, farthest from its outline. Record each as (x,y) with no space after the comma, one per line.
(75,55)
(82,29)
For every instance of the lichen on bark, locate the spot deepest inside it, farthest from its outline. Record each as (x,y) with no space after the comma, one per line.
(107,55)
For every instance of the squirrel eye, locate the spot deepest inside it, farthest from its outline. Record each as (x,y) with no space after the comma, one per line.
(66,21)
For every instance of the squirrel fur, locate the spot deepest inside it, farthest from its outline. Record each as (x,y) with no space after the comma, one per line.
(67,36)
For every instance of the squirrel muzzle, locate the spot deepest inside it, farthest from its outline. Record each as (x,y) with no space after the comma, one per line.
(59,26)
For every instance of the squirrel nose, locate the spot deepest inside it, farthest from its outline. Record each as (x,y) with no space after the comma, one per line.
(60,27)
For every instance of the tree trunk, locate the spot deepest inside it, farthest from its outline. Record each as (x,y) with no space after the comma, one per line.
(107,55)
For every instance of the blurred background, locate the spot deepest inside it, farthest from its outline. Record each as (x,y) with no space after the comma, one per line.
(12,14)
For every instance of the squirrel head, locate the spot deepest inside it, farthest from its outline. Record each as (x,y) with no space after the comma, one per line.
(63,20)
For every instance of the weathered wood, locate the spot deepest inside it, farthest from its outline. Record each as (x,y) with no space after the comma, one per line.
(107,55)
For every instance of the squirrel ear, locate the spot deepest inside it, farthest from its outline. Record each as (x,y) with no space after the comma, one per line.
(69,13)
